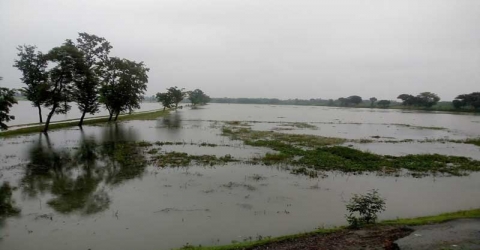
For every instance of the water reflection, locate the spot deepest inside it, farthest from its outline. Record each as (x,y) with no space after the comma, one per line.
(173,120)
(77,177)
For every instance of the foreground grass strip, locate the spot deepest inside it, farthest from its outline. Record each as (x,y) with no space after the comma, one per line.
(59,125)
(475,213)
(464,214)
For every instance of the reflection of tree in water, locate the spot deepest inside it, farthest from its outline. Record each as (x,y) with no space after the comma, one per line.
(78,179)
(7,204)
(173,120)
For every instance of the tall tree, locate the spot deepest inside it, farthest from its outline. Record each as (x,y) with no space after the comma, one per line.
(177,95)
(6,102)
(407,100)
(68,61)
(123,86)
(166,99)
(198,97)
(33,66)
(354,99)
(95,51)
(427,99)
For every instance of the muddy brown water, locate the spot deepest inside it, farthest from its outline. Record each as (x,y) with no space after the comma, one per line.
(102,204)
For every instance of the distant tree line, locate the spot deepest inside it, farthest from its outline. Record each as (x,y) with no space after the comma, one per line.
(422,100)
(82,72)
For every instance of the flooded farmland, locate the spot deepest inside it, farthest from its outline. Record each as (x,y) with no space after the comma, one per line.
(184,179)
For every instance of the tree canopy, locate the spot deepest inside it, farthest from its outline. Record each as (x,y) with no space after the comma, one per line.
(33,66)
(7,100)
(467,100)
(198,97)
(81,72)
(424,99)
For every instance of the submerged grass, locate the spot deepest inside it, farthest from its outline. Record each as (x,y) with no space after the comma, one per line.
(324,154)
(59,125)
(474,213)
(178,159)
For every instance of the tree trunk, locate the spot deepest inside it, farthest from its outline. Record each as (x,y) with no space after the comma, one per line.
(116,116)
(40,113)
(81,118)
(49,117)
(111,115)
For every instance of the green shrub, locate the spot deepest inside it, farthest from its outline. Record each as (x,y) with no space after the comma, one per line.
(366,207)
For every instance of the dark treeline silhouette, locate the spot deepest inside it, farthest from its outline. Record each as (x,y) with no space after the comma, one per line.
(471,100)
(81,72)
(424,100)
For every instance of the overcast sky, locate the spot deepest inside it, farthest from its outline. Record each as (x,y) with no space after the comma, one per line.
(268,48)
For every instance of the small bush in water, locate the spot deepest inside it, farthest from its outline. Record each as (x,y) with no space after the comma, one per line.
(363,209)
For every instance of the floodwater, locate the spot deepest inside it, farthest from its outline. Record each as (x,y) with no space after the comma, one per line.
(75,193)
(25,113)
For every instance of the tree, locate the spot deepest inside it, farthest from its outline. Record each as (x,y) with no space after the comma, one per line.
(33,66)
(68,61)
(427,99)
(407,100)
(176,94)
(372,101)
(95,51)
(166,99)
(472,99)
(123,86)
(383,103)
(354,99)
(198,97)
(343,101)
(6,102)
(458,104)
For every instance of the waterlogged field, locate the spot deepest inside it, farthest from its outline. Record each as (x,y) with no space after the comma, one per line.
(231,173)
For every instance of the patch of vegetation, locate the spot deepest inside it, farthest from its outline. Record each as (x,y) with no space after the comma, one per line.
(474,213)
(231,185)
(305,171)
(237,123)
(263,138)
(474,141)
(178,159)
(302,125)
(144,144)
(322,153)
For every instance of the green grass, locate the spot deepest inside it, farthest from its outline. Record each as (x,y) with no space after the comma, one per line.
(474,141)
(324,154)
(59,125)
(265,241)
(474,213)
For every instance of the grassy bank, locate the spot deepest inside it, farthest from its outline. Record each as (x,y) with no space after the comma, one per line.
(148,115)
(474,213)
